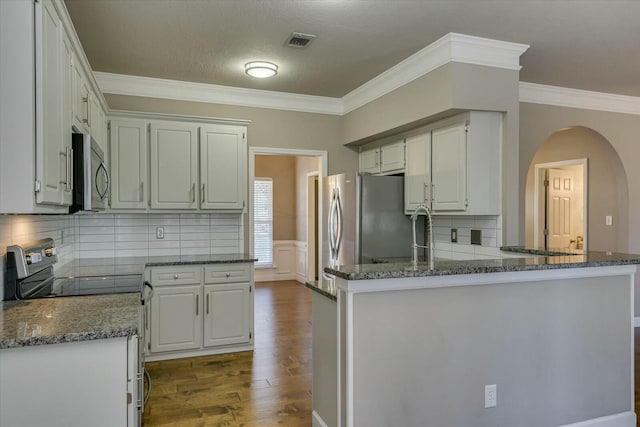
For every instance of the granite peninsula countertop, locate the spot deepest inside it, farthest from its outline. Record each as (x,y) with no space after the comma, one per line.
(324,287)
(452,267)
(68,319)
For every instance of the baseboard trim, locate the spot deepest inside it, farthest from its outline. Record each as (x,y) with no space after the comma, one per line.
(623,419)
(195,353)
(317,421)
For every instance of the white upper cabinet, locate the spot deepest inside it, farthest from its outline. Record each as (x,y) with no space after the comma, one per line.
(53,137)
(129,147)
(392,157)
(417,175)
(383,160)
(454,166)
(174,165)
(222,171)
(369,161)
(80,96)
(449,168)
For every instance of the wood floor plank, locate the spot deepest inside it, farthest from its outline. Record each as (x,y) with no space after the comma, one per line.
(270,386)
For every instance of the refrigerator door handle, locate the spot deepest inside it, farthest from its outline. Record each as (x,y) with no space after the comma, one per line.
(331,225)
(338,238)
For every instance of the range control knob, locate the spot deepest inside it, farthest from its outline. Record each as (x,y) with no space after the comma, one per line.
(51,251)
(33,258)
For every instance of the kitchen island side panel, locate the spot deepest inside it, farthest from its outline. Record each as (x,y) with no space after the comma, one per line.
(559,351)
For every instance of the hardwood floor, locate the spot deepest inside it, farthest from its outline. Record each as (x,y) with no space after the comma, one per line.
(270,386)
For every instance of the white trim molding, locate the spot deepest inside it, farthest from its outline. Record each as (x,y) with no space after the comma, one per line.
(452,47)
(120,84)
(284,263)
(534,93)
(623,419)
(301,261)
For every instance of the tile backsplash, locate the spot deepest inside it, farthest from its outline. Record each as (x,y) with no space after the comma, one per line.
(119,235)
(490,226)
(125,235)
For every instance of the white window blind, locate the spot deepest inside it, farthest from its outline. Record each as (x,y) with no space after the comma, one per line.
(263,221)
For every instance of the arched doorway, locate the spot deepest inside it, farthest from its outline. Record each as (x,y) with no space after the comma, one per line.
(606,215)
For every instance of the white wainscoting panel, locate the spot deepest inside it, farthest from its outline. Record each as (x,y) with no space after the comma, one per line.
(301,262)
(284,261)
(289,262)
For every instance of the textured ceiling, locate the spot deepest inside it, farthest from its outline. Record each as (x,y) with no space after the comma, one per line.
(582,44)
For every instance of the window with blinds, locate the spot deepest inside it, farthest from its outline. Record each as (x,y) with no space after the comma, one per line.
(263,221)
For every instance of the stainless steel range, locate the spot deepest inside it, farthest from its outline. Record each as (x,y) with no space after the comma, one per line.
(30,274)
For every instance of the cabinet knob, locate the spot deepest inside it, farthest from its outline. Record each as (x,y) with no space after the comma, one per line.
(175,277)
(228,275)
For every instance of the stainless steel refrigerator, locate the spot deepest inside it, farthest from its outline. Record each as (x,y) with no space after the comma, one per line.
(363,218)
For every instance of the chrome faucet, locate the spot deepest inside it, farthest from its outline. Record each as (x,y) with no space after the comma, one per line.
(414,217)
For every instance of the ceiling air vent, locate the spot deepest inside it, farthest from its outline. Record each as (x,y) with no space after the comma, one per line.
(299,40)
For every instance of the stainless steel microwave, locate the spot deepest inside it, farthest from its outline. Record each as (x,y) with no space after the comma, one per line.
(90,175)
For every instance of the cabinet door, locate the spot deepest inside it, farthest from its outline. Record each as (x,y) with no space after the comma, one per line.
(66,156)
(449,168)
(174,165)
(370,161)
(49,105)
(222,167)
(129,164)
(79,97)
(417,175)
(227,314)
(95,120)
(392,157)
(176,321)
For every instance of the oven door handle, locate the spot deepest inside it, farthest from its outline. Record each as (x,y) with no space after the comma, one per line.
(143,297)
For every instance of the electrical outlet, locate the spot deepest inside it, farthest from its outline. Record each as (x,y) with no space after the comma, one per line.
(608,220)
(454,235)
(159,232)
(490,396)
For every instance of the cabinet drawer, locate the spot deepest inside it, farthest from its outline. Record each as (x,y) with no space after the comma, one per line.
(227,273)
(175,276)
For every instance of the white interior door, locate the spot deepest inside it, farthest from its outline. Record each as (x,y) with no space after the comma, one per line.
(561,208)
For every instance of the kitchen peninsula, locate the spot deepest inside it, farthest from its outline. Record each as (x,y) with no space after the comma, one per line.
(416,347)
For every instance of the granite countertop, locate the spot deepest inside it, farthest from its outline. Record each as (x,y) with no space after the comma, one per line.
(451,267)
(541,251)
(81,318)
(324,287)
(120,266)
(68,319)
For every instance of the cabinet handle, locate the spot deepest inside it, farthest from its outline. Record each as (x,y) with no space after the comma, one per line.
(193,193)
(70,168)
(142,191)
(202,194)
(197,303)
(65,154)
(87,119)
(207,303)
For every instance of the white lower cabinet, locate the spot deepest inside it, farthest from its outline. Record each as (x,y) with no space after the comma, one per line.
(74,384)
(176,323)
(191,316)
(226,314)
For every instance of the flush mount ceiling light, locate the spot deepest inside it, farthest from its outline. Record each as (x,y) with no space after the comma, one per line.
(261,69)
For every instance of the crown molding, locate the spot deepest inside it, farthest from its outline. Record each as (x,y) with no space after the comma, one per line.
(452,47)
(120,84)
(576,98)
